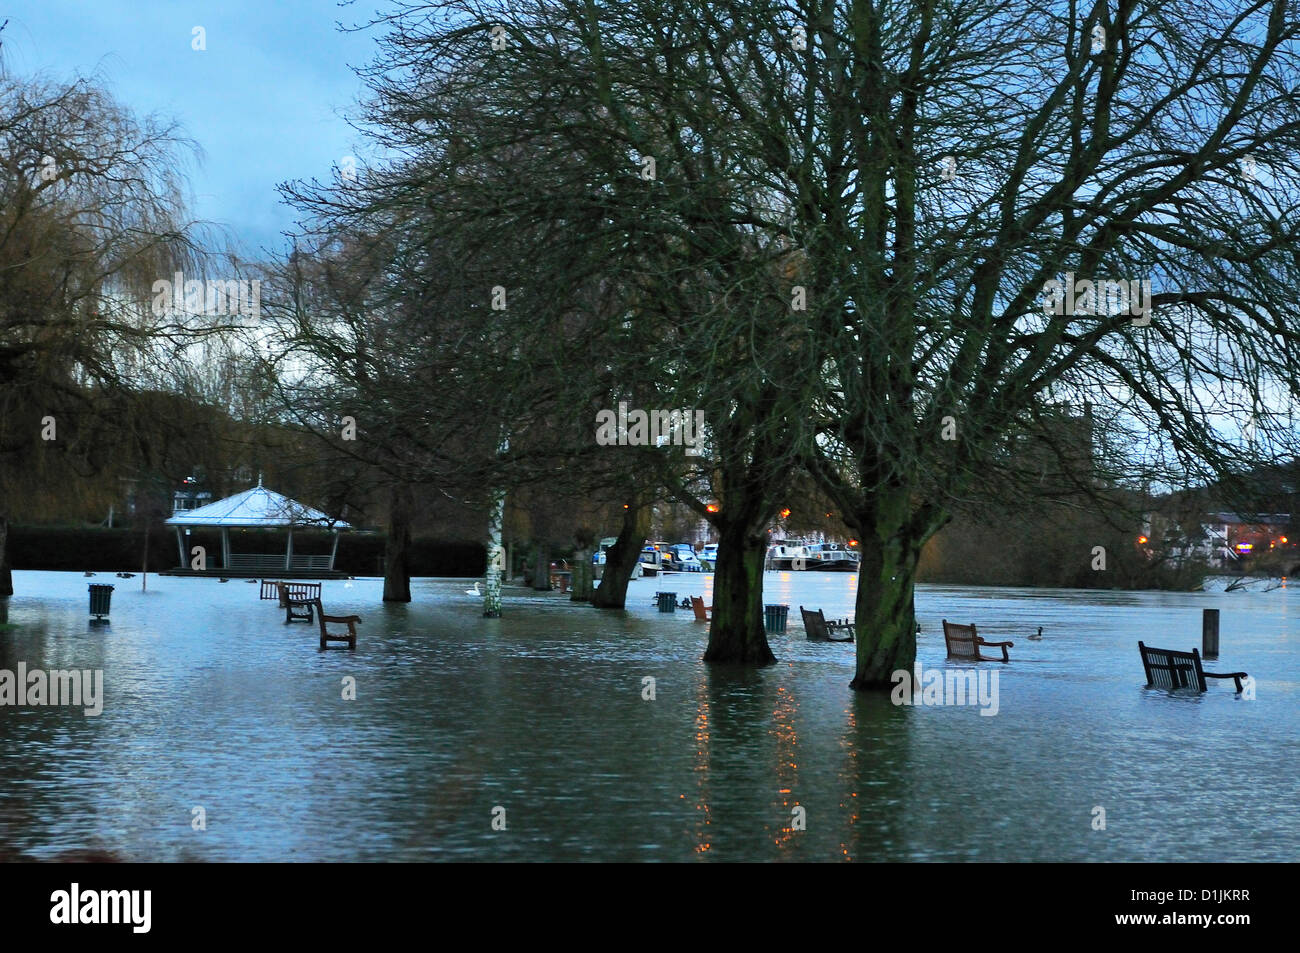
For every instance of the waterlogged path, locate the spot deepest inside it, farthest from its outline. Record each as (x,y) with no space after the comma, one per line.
(212,702)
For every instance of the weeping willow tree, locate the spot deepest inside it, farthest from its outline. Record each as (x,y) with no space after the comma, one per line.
(92,214)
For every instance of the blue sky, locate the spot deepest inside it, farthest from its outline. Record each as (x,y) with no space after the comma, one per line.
(265,101)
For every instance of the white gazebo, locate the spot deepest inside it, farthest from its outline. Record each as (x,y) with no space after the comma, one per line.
(258,508)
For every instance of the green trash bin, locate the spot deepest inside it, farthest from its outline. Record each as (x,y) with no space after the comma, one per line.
(667,602)
(774,617)
(101,596)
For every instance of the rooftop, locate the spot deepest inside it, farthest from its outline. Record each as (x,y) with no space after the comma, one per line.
(256,507)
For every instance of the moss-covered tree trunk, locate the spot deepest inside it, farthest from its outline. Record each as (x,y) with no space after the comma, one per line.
(397,548)
(582,582)
(736,634)
(621,560)
(542,567)
(892,533)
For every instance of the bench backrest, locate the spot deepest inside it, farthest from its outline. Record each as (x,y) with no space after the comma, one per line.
(814,623)
(1169,668)
(701,612)
(298,591)
(962,640)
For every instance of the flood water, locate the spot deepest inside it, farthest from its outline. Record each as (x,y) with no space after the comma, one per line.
(213,702)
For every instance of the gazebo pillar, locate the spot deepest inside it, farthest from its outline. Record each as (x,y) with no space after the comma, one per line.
(225,547)
(288,552)
(334,550)
(180,548)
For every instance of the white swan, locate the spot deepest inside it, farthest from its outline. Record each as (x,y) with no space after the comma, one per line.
(474,591)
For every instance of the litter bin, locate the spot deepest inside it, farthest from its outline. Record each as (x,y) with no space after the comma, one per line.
(667,602)
(100,598)
(774,617)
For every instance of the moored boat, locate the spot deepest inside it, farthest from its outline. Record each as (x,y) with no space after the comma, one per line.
(831,557)
(786,554)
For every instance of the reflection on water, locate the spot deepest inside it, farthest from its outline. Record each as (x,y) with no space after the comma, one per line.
(213,702)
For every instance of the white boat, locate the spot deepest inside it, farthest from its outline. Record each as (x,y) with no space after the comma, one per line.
(798,554)
(786,554)
(709,556)
(651,560)
(831,557)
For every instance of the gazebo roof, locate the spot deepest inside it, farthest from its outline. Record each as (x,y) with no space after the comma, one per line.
(256,507)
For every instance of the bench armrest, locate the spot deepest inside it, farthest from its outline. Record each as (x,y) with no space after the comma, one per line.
(1235,676)
(341,618)
(998,645)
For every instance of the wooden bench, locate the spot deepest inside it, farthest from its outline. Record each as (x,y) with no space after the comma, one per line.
(701,610)
(964,643)
(350,637)
(818,629)
(296,608)
(298,590)
(1169,668)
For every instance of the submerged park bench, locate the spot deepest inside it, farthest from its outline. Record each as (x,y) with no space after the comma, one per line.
(271,589)
(819,630)
(326,635)
(701,610)
(1169,668)
(297,599)
(964,642)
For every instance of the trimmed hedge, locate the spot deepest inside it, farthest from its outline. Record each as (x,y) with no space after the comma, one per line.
(98,549)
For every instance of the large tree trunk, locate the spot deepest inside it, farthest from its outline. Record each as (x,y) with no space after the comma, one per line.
(542,572)
(397,549)
(581,582)
(621,560)
(886,610)
(6,575)
(736,634)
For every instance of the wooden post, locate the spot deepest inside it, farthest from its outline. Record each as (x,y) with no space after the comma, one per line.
(1210,633)
(288,552)
(180,548)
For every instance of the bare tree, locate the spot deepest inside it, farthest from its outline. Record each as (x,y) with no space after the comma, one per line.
(990,209)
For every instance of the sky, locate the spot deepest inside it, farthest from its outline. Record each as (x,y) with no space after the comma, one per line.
(265,101)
